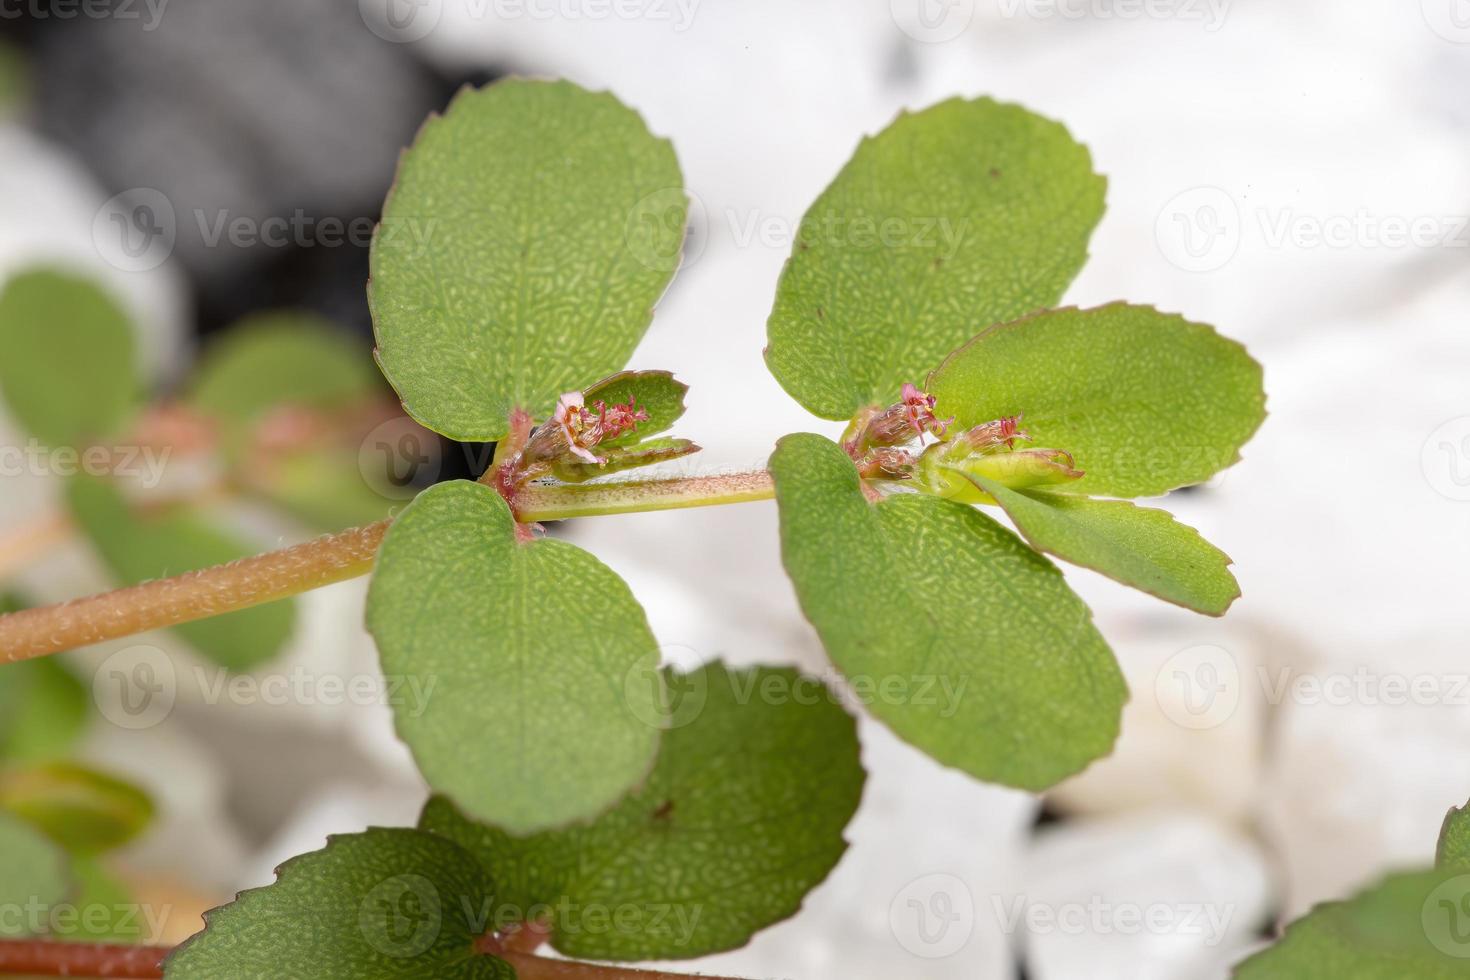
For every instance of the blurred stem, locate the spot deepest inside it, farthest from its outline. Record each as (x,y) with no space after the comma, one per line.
(42,957)
(325,560)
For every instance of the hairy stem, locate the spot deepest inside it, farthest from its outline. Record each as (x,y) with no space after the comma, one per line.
(333,558)
(42,957)
(190,596)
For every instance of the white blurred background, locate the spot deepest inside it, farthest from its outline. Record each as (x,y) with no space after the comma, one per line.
(1296,172)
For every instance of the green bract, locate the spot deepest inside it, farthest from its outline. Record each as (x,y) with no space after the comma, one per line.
(1145,401)
(139,546)
(741,817)
(380,905)
(1144,548)
(656,392)
(528,722)
(963,215)
(1004,674)
(33,874)
(43,707)
(67,370)
(529,234)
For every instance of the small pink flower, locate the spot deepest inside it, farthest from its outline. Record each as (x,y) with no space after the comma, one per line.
(614,420)
(993,435)
(918,409)
(579,427)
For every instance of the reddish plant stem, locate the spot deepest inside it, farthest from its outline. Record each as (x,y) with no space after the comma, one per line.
(192,595)
(44,957)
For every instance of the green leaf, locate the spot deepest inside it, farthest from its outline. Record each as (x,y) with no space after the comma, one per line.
(138,546)
(278,359)
(43,706)
(378,905)
(656,392)
(1411,925)
(529,723)
(1453,852)
(83,810)
(529,234)
(1145,401)
(68,372)
(33,874)
(741,818)
(1137,546)
(963,215)
(980,653)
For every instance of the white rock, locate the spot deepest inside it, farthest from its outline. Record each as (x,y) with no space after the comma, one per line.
(1164,896)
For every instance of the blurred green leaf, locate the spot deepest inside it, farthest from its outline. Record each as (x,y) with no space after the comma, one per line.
(963,215)
(138,546)
(531,229)
(275,360)
(1414,925)
(105,910)
(741,817)
(380,905)
(43,709)
(33,874)
(68,372)
(83,810)
(1137,546)
(1145,401)
(527,643)
(986,660)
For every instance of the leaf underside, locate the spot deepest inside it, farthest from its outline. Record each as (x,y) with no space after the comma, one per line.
(741,817)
